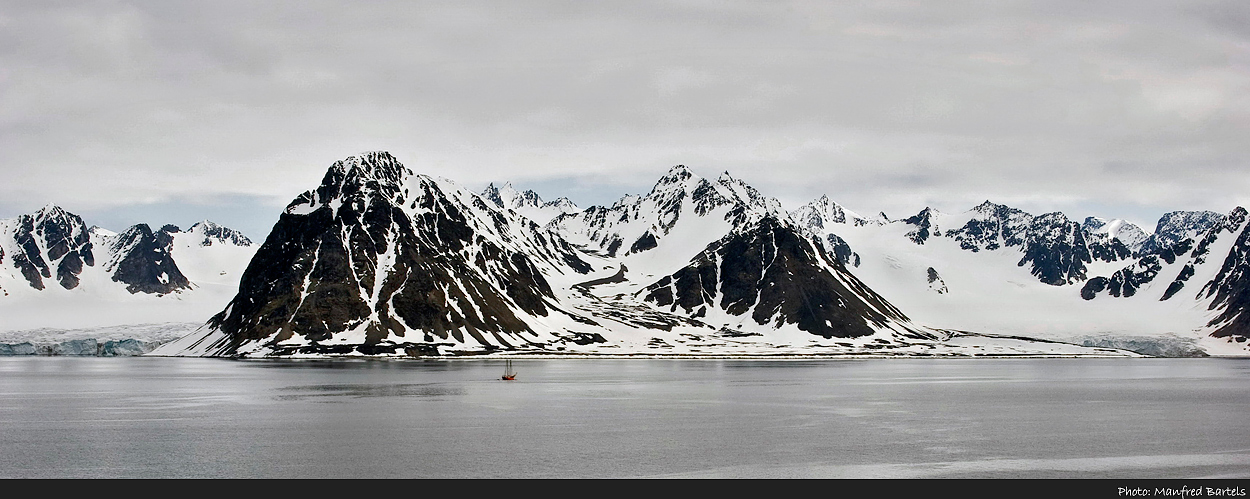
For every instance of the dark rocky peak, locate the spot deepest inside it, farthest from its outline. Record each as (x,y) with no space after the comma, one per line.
(989,208)
(1093,223)
(743,190)
(374,177)
(373,172)
(991,227)
(492,194)
(842,250)
(376,166)
(1229,224)
(508,197)
(1056,250)
(1173,227)
(675,178)
(53,214)
(822,213)
(52,238)
(209,233)
(384,260)
(925,226)
(563,204)
(60,231)
(810,215)
(171,228)
(141,259)
(529,198)
(707,197)
(1053,246)
(1052,226)
(777,274)
(626,200)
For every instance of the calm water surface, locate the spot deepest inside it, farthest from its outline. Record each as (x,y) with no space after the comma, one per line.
(161,417)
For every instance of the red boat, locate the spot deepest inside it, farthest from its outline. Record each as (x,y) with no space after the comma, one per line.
(508,373)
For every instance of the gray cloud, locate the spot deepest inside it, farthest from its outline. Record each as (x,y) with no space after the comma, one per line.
(1135,108)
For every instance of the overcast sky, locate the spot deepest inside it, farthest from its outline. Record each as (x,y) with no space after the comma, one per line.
(169,112)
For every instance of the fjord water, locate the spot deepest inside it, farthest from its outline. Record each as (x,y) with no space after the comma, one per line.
(166,417)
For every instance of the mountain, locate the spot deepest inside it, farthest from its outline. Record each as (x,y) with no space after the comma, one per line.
(528,203)
(1208,269)
(658,232)
(57,272)
(376,252)
(1104,230)
(207,233)
(143,260)
(1178,226)
(998,268)
(769,270)
(1229,291)
(823,213)
(379,260)
(49,241)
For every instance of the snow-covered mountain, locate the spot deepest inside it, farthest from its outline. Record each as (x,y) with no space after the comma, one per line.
(659,232)
(824,212)
(57,272)
(528,203)
(1104,230)
(378,260)
(1178,226)
(1000,269)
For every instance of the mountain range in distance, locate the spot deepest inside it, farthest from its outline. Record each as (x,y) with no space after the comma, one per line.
(380,261)
(58,273)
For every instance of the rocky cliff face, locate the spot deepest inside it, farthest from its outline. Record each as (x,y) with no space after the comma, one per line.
(142,260)
(1229,290)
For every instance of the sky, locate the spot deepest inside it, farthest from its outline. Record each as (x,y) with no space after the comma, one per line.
(171,112)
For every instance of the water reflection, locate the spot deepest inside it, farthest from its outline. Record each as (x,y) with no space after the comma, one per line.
(367,390)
